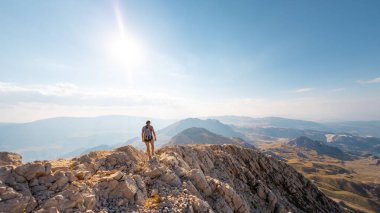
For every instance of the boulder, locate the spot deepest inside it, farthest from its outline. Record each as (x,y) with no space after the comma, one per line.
(10,158)
(82,175)
(129,187)
(33,170)
(200,205)
(170,178)
(199,181)
(13,201)
(89,201)
(117,175)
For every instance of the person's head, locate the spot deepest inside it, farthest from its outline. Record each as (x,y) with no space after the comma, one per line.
(147,122)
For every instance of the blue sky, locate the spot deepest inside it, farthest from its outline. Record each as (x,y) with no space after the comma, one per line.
(315,60)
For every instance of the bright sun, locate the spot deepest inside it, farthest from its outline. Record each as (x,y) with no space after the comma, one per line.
(126,51)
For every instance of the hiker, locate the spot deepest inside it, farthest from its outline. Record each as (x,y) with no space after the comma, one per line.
(147,134)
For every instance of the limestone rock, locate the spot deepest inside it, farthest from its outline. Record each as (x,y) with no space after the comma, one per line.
(10,158)
(191,178)
(200,205)
(199,180)
(89,201)
(32,170)
(83,175)
(129,186)
(117,175)
(13,201)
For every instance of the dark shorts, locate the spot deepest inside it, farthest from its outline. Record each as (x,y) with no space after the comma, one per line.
(148,139)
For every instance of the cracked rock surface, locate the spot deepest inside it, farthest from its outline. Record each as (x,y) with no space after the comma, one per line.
(190,178)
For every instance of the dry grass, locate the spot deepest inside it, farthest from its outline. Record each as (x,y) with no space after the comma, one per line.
(365,170)
(350,188)
(60,164)
(152,202)
(293,161)
(350,199)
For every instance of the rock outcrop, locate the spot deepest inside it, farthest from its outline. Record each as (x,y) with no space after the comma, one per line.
(192,178)
(10,158)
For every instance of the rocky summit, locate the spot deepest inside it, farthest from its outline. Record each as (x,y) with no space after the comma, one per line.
(186,178)
(9,158)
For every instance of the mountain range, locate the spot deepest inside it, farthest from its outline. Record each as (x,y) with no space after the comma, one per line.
(244,121)
(52,138)
(358,128)
(195,135)
(165,135)
(320,147)
(354,144)
(68,137)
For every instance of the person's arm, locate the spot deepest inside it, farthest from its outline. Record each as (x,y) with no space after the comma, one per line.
(142,134)
(154,133)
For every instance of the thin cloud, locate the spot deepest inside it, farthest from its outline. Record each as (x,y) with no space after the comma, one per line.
(59,89)
(371,81)
(302,90)
(9,87)
(33,107)
(70,95)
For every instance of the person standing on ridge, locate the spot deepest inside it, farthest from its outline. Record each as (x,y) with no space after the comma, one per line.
(147,134)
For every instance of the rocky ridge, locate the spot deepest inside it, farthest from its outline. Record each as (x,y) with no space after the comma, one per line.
(191,178)
(320,147)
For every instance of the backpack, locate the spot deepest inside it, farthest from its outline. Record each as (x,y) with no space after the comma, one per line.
(147,134)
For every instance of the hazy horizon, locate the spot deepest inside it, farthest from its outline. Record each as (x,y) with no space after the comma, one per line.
(316,61)
(182,118)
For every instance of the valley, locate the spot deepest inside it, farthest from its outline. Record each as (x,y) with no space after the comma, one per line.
(352,183)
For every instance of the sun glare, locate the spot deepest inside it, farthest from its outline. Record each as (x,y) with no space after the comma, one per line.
(126,51)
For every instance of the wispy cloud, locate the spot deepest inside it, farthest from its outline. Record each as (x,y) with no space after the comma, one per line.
(25,102)
(9,87)
(371,81)
(59,89)
(30,102)
(70,94)
(302,90)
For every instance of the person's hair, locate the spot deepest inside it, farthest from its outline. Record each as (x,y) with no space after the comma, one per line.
(147,122)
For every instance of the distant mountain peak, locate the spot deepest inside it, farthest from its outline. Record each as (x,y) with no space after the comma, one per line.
(200,120)
(320,147)
(355,144)
(197,135)
(212,125)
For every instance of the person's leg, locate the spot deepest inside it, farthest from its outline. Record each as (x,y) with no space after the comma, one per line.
(152,144)
(148,149)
